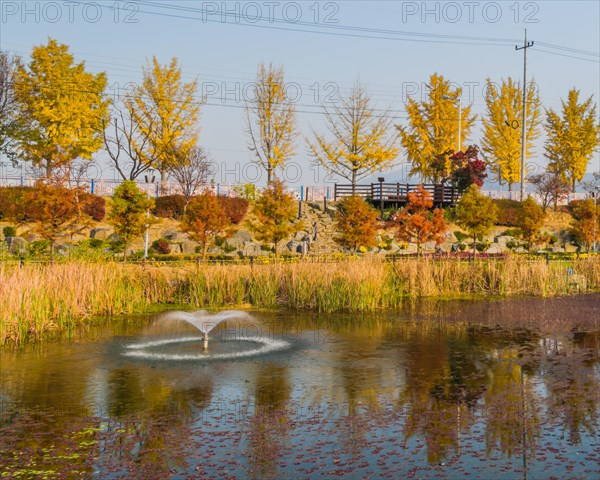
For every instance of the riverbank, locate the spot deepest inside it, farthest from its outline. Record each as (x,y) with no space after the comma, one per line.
(37,299)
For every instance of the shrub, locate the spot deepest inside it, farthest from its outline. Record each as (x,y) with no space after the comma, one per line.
(460,236)
(13,203)
(507,212)
(9,231)
(356,223)
(234,207)
(38,248)
(96,243)
(170,206)
(94,206)
(161,246)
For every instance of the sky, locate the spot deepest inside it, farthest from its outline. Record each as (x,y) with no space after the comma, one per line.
(324,47)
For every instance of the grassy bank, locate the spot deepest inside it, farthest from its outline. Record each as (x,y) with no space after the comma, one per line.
(37,299)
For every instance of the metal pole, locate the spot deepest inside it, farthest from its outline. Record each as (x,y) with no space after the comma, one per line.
(523,116)
(146,236)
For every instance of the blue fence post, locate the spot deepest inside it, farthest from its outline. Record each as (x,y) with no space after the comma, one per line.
(22,181)
(157,189)
(301,193)
(327,192)
(92,186)
(218,189)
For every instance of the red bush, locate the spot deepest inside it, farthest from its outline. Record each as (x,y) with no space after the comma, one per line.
(507,212)
(13,204)
(161,246)
(234,207)
(170,206)
(94,206)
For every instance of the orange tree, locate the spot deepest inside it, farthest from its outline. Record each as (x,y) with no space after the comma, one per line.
(586,221)
(530,218)
(274,215)
(204,219)
(476,214)
(416,222)
(56,211)
(356,223)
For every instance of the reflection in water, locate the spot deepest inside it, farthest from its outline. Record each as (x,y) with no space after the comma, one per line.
(438,390)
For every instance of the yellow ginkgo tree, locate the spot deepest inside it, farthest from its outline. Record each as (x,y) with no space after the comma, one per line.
(271,120)
(165,112)
(501,141)
(363,141)
(61,109)
(571,138)
(433,127)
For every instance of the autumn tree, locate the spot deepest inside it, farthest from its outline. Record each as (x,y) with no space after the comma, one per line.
(476,214)
(274,215)
(204,220)
(356,222)
(530,219)
(416,222)
(502,127)
(61,108)
(165,113)
(551,188)
(460,169)
(129,212)
(192,172)
(8,104)
(433,127)
(271,120)
(57,211)
(363,139)
(586,222)
(571,137)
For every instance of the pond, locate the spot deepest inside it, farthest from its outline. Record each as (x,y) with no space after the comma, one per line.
(444,389)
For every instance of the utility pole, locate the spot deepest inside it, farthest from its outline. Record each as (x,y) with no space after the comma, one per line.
(525,46)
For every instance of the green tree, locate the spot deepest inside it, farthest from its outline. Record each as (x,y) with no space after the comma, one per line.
(363,140)
(271,120)
(129,212)
(476,214)
(356,223)
(530,218)
(417,223)
(274,215)
(571,138)
(433,127)
(61,109)
(501,140)
(204,219)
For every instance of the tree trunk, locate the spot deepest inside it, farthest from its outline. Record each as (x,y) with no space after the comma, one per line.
(204,251)
(474,246)
(353,182)
(269,174)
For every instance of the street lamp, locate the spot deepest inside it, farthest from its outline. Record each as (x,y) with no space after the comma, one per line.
(381,180)
(454,99)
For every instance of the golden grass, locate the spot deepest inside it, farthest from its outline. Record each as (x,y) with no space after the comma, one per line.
(37,299)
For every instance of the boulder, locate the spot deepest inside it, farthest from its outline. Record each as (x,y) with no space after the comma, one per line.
(188,247)
(494,248)
(174,235)
(294,247)
(502,239)
(100,233)
(571,248)
(16,244)
(242,235)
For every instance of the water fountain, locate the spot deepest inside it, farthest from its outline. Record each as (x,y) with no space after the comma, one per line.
(206,322)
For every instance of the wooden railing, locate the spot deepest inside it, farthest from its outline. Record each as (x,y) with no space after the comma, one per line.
(397,193)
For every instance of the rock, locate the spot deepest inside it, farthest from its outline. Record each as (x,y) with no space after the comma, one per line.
(494,249)
(31,237)
(114,238)
(571,248)
(242,235)
(188,247)
(175,235)
(294,247)
(394,248)
(558,249)
(299,236)
(100,233)
(16,244)
(315,206)
(428,246)
(502,239)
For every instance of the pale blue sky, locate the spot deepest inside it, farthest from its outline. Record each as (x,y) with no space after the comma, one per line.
(223,51)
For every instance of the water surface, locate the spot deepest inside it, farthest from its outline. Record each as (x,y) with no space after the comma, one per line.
(498,389)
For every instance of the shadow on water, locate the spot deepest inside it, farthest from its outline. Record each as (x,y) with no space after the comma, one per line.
(498,389)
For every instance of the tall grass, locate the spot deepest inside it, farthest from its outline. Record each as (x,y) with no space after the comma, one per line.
(37,299)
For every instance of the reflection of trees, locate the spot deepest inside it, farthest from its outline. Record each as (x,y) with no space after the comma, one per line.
(572,384)
(511,405)
(149,421)
(270,422)
(444,379)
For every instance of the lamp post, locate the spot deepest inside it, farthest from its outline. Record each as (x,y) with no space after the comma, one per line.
(454,99)
(381,180)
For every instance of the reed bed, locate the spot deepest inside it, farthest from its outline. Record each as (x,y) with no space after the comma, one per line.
(37,298)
